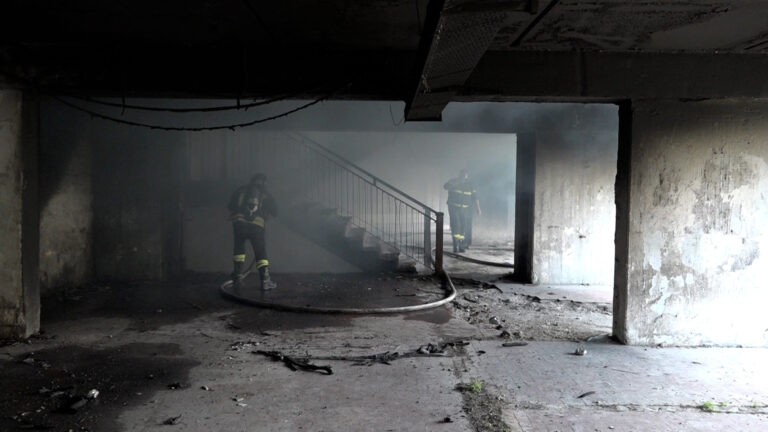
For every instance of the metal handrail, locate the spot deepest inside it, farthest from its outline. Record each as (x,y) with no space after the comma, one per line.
(374,180)
(371,222)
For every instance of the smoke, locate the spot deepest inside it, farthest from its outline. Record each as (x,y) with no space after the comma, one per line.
(196,171)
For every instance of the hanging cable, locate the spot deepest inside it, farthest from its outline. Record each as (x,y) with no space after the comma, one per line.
(194,109)
(191,129)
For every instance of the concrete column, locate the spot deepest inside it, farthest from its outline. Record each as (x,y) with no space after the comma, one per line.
(574,213)
(19,215)
(524,205)
(692,228)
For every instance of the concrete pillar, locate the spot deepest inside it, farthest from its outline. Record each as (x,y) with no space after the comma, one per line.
(574,213)
(692,223)
(19,215)
(524,205)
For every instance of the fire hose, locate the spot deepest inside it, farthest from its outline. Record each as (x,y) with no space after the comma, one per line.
(228,291)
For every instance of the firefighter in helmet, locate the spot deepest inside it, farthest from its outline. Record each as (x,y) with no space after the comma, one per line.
(462,198)
(250,207)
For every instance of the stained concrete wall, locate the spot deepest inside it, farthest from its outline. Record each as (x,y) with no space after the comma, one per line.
(696,263)
(575,213)
(19,229)
(136,191)
(66,205)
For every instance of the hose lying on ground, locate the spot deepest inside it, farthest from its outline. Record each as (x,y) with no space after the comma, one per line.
(478,261)
(228,292)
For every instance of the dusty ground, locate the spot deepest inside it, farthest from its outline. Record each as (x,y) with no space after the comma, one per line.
(181,354)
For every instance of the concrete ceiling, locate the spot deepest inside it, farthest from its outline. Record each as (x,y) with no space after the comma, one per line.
(627,25)
(608,25)
(422,51)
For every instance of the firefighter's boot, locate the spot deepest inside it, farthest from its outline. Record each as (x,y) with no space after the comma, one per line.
(266,282)
(237,273)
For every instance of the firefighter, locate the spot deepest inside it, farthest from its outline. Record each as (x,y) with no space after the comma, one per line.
(250,207)
(462,197)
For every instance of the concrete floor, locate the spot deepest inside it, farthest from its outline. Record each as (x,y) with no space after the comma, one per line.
(133,343)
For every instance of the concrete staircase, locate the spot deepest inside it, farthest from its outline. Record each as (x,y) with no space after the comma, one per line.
(327,228)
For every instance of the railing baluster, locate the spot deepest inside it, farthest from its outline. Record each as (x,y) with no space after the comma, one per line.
(385,212)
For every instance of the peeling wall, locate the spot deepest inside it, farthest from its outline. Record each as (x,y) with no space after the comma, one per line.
(575,212)
(698,237)
(66,214)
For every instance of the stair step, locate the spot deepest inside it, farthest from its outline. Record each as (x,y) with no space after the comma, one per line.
(325,226)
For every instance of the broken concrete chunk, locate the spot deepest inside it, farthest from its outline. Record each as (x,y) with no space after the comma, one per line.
(77,404)
(172,420)
(295,364)
(470,298)
(514,344)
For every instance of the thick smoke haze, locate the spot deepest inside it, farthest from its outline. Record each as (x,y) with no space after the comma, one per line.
(143,177)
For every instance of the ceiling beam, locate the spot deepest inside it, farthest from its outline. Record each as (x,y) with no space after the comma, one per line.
(456,35)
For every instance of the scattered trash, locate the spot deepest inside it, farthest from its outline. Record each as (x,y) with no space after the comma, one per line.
(580,351)
(240,404)
(296,364)
(243,345)
(514,344)
(470,299)
(77,404)
(597,337)
(170,421)
(195,306)
(23,424)
(55,392)
(93,394)
(205,388)
(238,399)
(494,320)
(583,395)
(429,350)
(176,386)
